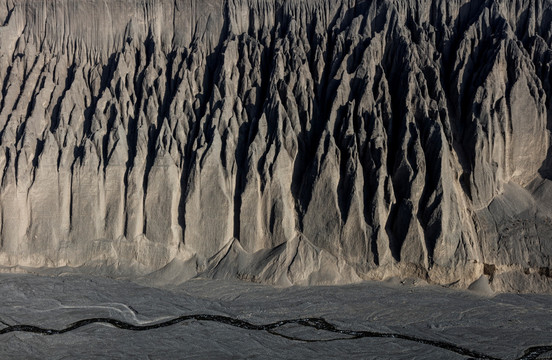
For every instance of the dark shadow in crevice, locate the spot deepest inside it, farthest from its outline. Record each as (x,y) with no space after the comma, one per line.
(546,168)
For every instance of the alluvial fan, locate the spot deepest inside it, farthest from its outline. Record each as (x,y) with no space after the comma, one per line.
(281,141)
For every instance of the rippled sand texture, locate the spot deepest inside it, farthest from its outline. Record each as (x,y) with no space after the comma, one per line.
(76,316)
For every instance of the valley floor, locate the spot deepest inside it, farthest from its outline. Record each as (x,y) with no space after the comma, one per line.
(208,319)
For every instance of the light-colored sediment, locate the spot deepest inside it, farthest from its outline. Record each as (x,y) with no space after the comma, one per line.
(289,142)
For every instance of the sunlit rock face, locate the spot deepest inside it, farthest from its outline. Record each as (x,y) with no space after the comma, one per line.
(288,142)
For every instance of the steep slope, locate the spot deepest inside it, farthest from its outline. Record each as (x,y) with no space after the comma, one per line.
(370,138)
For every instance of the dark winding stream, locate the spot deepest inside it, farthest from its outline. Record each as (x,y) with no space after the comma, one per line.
(315,323)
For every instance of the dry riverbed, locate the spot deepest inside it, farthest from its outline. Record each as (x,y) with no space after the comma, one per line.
(76,316)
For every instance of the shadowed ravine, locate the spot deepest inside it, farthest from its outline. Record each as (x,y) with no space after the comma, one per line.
(315,323)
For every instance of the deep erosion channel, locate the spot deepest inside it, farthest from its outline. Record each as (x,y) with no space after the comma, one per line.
(315,323)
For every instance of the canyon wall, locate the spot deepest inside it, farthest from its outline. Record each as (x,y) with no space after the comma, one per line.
(280,141)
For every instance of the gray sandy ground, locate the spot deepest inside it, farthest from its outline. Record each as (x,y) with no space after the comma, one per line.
(503,326)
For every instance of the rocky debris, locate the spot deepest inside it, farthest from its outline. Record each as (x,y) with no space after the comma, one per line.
(281,141)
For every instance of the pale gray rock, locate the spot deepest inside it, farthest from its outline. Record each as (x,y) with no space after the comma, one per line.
(288,142)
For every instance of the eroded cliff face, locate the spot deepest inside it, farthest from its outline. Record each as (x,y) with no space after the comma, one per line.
(290,142)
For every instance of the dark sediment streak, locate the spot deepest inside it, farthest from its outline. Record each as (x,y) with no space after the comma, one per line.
(315,323)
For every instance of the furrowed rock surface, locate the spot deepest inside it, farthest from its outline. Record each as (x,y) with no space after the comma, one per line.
(288,142)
